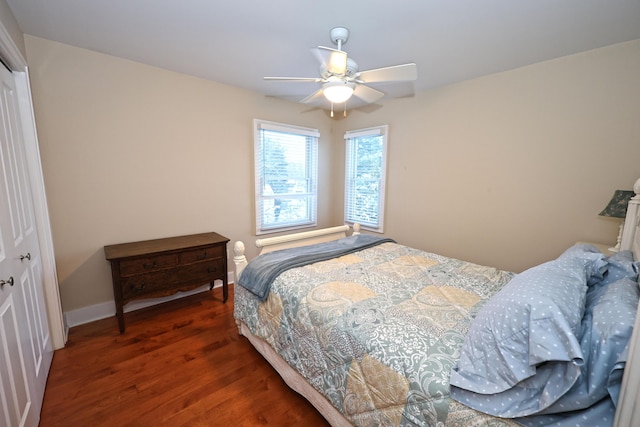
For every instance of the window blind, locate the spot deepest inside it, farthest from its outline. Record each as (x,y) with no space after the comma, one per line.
(365,177)
(286,176)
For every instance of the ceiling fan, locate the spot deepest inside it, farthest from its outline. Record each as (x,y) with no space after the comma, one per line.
(341,79)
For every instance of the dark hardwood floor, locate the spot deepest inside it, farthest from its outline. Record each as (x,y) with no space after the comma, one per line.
(181,363)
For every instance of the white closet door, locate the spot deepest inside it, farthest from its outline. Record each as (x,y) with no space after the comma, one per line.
(25,341)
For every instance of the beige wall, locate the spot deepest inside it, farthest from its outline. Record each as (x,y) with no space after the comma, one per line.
(132,152)
(509,169)
(505,170)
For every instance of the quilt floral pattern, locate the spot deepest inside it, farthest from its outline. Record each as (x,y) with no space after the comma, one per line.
(377,331)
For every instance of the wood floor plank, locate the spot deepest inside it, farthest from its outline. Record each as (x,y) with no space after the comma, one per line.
(181,363)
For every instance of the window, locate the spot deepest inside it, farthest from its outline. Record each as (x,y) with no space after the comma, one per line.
(286,168)
(365,176)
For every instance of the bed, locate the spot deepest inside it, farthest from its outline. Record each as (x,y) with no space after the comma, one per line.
(372,332)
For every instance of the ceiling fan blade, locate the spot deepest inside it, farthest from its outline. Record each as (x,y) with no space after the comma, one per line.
(332,60)
(315,96)
(298,79)
(367,94)
(390,74)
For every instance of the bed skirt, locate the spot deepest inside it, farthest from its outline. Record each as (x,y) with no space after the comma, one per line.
(293,379)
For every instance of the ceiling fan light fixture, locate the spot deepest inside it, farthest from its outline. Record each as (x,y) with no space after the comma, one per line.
(338,91)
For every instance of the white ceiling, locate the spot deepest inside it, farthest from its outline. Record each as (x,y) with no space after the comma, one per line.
(238,42)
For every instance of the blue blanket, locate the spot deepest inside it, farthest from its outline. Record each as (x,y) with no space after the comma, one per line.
(260,273)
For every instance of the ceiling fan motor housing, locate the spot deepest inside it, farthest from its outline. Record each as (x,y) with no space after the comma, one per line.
(352,68)
(351,71)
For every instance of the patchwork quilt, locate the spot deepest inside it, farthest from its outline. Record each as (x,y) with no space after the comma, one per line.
(377,331)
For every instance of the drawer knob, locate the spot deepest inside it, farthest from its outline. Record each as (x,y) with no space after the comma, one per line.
(27,256)
(154,265)
(138,288)
(204,256)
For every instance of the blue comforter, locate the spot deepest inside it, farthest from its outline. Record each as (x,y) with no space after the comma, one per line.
(260,273)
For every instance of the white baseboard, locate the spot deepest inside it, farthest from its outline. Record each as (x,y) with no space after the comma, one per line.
(108,309)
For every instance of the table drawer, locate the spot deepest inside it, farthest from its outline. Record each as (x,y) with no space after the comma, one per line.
(130,267)
(170,281)
(196,255)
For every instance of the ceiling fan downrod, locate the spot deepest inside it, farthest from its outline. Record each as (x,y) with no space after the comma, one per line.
(339,36)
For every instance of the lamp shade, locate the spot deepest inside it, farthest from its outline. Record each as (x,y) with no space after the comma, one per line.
(617,207)
(338,91)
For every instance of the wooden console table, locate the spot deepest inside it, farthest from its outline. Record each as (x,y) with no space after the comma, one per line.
(162,267)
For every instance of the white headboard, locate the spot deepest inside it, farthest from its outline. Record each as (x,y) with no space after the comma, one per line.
(631,232)
(628,412)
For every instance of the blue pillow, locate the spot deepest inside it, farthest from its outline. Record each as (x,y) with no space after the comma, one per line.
(607,326)
(596,263)
(522,351)
(606,329)
(614,315)
(620,266)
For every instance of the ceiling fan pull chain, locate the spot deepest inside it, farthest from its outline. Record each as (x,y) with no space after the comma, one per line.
(332,110)
(345,109)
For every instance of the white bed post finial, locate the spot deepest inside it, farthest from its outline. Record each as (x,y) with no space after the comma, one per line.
(356,229)
(239,259)
(631,220)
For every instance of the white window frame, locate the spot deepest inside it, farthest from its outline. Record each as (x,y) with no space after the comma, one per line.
(350,215)
(264,197)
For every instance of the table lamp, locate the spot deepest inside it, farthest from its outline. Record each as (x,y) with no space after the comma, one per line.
(617,208)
